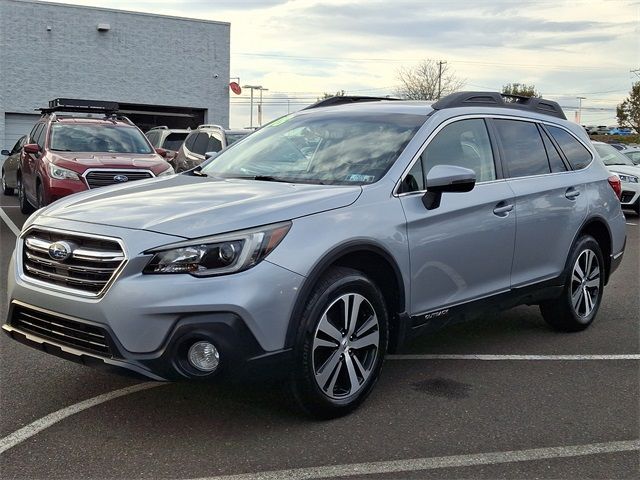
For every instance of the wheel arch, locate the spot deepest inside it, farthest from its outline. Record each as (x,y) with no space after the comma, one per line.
(374,261)
(597,227)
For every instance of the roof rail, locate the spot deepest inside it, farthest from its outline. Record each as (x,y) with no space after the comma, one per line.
(160,127)
(210,125)
(79,106)
(342,99)
(501,100)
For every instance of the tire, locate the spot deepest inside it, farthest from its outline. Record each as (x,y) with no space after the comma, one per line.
(25,206)
(578,305)
(6,190)
(336,368)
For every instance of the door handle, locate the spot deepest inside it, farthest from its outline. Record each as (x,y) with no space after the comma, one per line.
(503,208)
(572,193)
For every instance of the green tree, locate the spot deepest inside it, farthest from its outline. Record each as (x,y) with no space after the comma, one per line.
(426,80)
(520,89)
(628,112)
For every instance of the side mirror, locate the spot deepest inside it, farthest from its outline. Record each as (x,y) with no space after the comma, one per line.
(162,152)
(209,155)
(5,153)
(447,178)
(32,148)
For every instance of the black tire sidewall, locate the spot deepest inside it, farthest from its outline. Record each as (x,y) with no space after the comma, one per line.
(336,283)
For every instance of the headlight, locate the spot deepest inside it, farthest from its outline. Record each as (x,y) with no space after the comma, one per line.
(627,178)
(62,173)
(168,171)
(218,255)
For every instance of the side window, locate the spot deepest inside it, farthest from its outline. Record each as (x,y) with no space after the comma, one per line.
(523,148)
(414,180)
(35,131)
(577,154)
(153,138)
(463,144)
(40,136)
(18,145)
(555,161)
(214,145)
(200,144)
(190,140)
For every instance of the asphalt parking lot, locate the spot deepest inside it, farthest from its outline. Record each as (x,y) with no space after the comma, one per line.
(503,397)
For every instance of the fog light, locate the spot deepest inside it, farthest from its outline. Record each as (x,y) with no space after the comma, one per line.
(204,356)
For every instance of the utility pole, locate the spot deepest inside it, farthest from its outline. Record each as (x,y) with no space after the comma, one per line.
(440,63)
(252,88)
(260,105)
(579,119)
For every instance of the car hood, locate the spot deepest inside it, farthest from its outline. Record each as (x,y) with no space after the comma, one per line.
(80,162)
(191,207)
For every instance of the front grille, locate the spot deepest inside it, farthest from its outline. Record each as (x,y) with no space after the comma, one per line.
(89,267)
(102,178)
(626,197)
(82,336)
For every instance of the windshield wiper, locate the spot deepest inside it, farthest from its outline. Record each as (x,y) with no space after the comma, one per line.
(263,178)
(198,172)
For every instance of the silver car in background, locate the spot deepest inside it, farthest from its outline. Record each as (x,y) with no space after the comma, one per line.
(323,241)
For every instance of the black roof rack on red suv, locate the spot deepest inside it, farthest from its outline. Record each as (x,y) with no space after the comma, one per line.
(495,99)
(80,106)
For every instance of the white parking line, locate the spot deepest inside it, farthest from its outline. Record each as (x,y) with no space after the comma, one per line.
(10,224)
(421,464)
(634,224)
(33,428)
(493,358)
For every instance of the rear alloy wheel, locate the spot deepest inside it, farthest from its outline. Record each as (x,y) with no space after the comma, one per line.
(341,344)
(6,190)
(25,206)
(578,305)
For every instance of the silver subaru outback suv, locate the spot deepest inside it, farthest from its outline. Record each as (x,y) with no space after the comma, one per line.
(322,242)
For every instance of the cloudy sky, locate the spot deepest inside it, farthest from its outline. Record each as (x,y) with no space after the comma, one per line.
(299,49)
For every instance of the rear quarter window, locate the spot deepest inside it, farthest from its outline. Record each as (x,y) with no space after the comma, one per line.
(577,154)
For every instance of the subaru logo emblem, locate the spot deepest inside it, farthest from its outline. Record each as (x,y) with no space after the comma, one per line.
(120,178)
(60,251)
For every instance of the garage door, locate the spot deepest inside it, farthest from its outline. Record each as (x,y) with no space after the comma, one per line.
(16,125)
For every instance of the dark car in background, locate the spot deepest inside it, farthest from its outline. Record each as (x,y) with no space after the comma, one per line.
(205,139)
(67,153)
(11,165)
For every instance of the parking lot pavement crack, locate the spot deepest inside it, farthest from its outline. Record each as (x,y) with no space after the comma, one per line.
(34,428)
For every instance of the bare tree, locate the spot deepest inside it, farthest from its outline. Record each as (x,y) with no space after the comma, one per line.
(428,80)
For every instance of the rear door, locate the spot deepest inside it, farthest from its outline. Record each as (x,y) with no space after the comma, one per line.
(550,201)
(462,250)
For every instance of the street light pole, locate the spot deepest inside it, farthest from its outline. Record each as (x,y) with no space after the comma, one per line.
(580,109)
(252,88)
(260,105)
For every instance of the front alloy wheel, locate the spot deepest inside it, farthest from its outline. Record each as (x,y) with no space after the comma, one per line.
(340,344)
(345,346)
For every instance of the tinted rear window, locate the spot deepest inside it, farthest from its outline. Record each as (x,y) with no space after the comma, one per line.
(577,154)
(523,148)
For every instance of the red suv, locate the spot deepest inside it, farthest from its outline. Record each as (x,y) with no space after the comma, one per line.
(65,154)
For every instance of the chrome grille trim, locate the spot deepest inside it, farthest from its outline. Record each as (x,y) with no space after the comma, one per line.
(93,266)
(102,177)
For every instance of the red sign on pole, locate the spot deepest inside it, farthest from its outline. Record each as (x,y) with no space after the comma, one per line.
(235,88)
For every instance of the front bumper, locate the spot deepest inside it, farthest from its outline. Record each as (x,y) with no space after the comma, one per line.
(149,318)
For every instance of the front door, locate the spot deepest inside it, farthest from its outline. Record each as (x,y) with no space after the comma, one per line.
(462,250)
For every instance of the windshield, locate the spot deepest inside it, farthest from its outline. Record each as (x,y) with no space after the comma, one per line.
(174,140)
(234,137)
(611,156)
(321,147)
(98,138)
